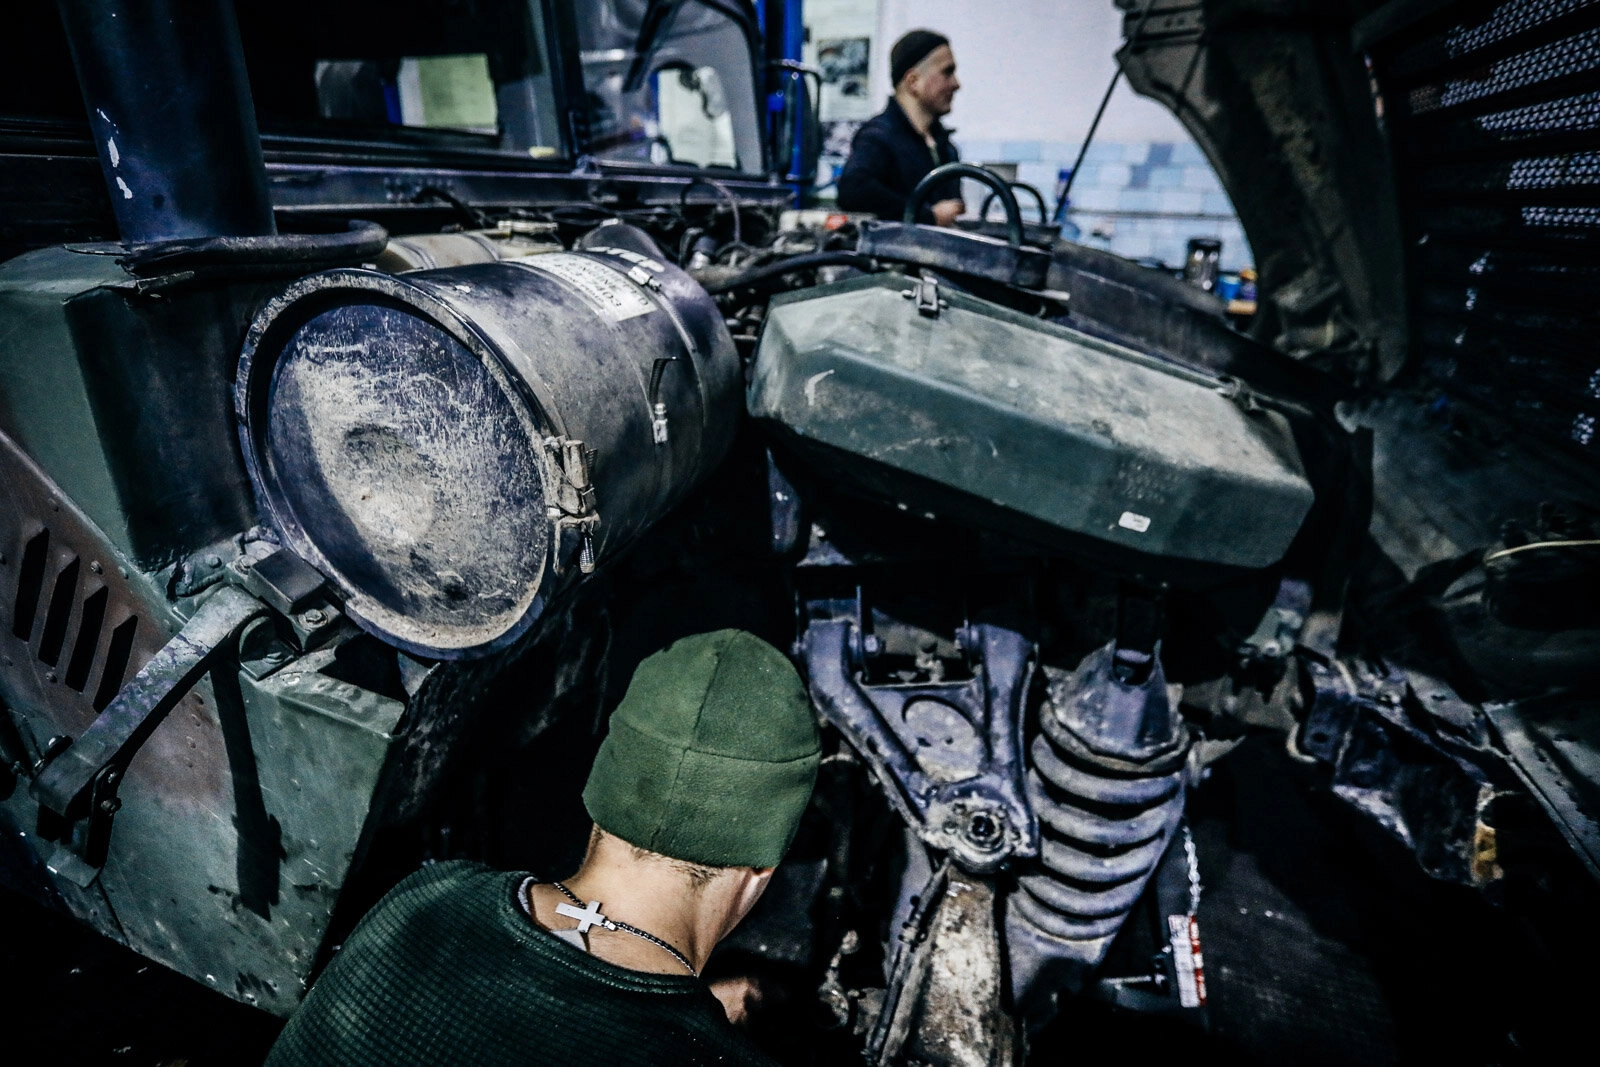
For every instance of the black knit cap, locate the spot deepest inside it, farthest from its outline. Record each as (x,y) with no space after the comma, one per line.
(910,50)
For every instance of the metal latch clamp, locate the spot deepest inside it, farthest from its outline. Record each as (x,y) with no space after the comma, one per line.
(573,505)
(925,294)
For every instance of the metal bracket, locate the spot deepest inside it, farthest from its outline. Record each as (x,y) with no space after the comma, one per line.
(1409,754)
(925,294)
(658,407)
(78,783)
(574,506)
(282,579)
(979,813)
(1275,635)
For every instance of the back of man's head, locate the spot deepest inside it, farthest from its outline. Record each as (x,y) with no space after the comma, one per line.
(711,756)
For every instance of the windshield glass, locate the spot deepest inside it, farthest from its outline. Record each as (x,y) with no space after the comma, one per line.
(460,75)
(691,95)
(419,74)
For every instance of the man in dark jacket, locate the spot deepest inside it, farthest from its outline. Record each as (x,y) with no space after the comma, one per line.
(893,151)
(695,795)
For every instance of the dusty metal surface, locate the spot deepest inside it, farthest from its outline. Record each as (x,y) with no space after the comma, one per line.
(387,422)
(236,823)
(1040,422)
(950,1008)
(431,444)
(77,788)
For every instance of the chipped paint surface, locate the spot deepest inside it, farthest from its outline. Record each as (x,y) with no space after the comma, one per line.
(811,387)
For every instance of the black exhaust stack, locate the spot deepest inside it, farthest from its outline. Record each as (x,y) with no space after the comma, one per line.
(169,108)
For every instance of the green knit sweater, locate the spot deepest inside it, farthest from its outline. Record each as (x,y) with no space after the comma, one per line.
(448,969)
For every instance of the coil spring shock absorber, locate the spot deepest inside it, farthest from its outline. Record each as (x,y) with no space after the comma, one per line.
(1106,778)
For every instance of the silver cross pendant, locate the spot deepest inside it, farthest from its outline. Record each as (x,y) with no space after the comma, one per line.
(586,917)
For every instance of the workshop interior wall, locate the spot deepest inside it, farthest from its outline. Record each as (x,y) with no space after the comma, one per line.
(1140,199)
(1032,74)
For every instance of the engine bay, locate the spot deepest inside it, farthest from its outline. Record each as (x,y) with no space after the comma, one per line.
(1182,687)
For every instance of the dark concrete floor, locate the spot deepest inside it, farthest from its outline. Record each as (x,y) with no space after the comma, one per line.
(1323,944)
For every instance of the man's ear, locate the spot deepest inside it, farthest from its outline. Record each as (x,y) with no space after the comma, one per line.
(755,881)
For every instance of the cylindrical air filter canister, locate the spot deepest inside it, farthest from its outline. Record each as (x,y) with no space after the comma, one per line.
(450,447)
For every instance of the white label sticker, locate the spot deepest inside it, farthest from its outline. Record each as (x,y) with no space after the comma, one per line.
(1134,521)
(610,292)
(1184,935)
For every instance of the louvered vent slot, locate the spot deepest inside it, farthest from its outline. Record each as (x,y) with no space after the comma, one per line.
(29,585)
(83,649)
(60,613)
(117,655)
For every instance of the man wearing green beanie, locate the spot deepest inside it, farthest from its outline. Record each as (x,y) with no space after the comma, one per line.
(696,794)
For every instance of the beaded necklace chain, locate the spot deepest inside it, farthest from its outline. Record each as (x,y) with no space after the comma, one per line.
(590,916)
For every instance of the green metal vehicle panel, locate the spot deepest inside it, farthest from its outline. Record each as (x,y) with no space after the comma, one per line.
(241,814)
(1035,419)
(44,402)
(243,811)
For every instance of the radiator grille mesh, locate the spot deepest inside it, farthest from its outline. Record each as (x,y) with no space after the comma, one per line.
(1494,118)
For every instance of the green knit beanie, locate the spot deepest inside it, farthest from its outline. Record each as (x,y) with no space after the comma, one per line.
(711,756)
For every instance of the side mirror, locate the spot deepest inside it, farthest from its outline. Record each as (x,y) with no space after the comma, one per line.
(796,128)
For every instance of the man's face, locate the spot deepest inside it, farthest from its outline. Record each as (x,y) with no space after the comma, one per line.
(933,81)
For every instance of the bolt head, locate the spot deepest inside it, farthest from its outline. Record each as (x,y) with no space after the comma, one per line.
(985,830)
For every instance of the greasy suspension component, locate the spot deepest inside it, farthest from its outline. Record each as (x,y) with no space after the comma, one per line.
(947,754)
(1106,779)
